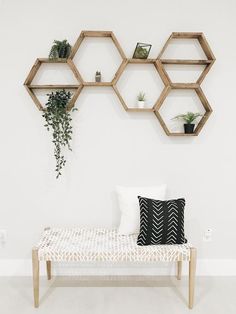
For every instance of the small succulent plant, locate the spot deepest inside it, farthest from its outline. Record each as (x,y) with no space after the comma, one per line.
(188,117)
(141,52)
(141,96)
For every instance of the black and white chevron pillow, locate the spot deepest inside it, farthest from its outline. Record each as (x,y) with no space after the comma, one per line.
(161,222)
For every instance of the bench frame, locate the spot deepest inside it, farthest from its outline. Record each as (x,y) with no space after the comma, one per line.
(192,271)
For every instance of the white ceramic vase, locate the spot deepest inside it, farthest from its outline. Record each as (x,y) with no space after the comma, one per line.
(141,104)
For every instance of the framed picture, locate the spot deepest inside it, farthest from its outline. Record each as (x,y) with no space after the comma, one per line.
(142,51)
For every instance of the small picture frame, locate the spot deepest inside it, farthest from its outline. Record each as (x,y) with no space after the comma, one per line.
(142,51)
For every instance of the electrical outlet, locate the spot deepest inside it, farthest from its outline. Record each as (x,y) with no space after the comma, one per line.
(3,236)
(207,237)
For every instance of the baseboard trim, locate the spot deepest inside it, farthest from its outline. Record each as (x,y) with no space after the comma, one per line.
(205,267)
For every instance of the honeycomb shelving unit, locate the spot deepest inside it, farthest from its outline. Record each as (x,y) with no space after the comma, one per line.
(159,64)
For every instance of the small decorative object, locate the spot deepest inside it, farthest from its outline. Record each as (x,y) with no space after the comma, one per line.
(141,100)
(98,76)
(60,49)
(142,51)
(58,119)
(189,118)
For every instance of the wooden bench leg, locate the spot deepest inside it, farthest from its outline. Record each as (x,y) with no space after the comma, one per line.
(192,271)
(179,269)
(49,269)
(35,263)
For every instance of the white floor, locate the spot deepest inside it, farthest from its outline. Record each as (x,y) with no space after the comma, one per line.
(113,295)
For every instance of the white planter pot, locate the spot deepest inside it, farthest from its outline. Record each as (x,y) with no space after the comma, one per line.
(141,104)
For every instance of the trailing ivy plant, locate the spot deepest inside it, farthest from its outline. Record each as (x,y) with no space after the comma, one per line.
(60,49)
(58,119)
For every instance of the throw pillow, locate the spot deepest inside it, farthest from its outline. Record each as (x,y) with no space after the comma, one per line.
(129,205)
(161,222)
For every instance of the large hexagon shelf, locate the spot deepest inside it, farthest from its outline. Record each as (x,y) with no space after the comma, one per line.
(150,67)
(207,63)
(204,102)
(98,34)
(32,87)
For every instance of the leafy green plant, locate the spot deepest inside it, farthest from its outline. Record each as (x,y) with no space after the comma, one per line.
(188,117)
(141,96)
(58,119)
(141,53)
(60,49)
(98,72)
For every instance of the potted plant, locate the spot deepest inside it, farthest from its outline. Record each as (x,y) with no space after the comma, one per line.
(141,100)
(188,118)
(98,76)
(60,49)
(142,51)
(58,119)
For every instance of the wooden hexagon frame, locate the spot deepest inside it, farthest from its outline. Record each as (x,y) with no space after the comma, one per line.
(30,87)
(160,72)
(205,104)
(106,34)
(205,47)
(158,63)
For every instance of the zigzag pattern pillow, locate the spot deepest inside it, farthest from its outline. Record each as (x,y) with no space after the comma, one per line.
(161,222)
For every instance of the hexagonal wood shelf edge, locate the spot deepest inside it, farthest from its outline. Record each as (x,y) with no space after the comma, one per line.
(106,34)
(157,66)
(205,47)
(201,123)
(31,87)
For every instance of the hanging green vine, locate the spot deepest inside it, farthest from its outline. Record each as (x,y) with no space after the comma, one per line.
(58,119)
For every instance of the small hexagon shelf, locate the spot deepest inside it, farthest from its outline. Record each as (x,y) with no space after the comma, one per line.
(208,62)
(159,76)
(200,124)
(31,87)
(99,34)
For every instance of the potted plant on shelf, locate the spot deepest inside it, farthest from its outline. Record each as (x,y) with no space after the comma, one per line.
(58,119)
(188,118)
(141,100)
(142,51)
(60,49)
(98,76)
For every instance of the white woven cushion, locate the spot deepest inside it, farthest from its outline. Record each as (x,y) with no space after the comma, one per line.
(129,206)
(104,245)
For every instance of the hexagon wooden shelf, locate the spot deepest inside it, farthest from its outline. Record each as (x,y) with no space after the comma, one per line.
(106,34)
(205,47)
(158,64)
(160,72)
(201,123)
(31,87)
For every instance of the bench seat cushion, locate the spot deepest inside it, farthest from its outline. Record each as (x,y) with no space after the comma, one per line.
(90,245)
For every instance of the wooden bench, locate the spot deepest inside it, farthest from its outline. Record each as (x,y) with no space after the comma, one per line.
(104,245)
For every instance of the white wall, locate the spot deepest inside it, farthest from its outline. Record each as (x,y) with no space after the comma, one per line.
(111,146)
